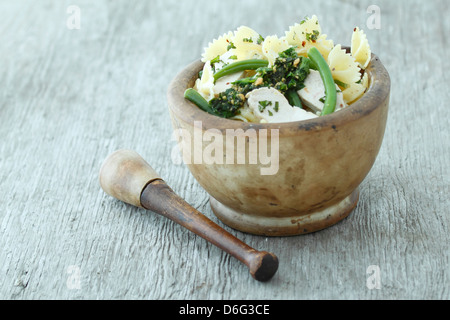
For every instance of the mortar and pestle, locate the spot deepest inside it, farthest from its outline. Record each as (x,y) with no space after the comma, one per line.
(322,162)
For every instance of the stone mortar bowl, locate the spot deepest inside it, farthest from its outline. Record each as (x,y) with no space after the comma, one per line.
(321,162)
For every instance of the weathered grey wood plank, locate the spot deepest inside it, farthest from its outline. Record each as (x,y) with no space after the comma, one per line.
(70,97)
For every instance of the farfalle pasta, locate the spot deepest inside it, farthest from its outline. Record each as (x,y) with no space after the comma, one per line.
(307,34)
(360,48)
(246,43)
(272,46)
(217,47)
(304,30)
(354,91)
(343,65)
(299,76)
(205,84)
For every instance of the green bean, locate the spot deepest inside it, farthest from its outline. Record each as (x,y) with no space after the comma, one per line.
(312,65)
(294,99)
(195,97)
(327,78)
(238,66)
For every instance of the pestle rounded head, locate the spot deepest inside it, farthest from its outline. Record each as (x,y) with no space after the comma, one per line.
(124,174)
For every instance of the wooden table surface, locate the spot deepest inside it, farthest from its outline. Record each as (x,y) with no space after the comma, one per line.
(69,97)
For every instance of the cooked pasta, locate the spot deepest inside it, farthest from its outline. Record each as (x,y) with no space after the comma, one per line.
(322,44)
(272,46)
(353,92)
(205,84)
(247,44)
(356,90)
(343,66)
(365,81)
(245,114)
(299,32)
(308,34)
(360,48)
(217,47)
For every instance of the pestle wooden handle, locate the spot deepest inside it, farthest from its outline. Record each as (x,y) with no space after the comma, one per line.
(129,178)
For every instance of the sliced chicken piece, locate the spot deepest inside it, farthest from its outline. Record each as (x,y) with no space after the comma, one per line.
(224,83)
(270,105)
(314,91)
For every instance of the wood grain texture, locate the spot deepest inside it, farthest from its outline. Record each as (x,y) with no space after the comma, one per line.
(71,97)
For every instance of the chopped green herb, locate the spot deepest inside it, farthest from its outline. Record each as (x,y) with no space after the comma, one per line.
(289,72)
(231,46)
(250,40)
(313,36)
(341,84)
(263,105)
(260,39)
(270,113)
(277,106)
(227,103)
(306,18)
(243,82)
(215,60)
(234,57)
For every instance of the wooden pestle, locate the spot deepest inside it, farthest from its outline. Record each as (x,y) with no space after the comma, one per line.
(126,176)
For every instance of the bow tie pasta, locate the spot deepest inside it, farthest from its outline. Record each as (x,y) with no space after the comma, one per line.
(307,34)
(271,48)
(360,48)
(344,67)
(217,47)
(247,43)
(296,77)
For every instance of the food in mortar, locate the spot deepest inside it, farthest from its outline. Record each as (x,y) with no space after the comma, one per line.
(300,76)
